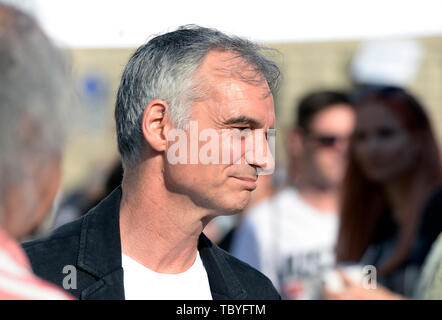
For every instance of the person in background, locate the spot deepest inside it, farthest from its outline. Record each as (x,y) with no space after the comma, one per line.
(291,236)
(392,194)
(34,88)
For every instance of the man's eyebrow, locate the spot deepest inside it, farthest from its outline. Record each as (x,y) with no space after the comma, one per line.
(242,120)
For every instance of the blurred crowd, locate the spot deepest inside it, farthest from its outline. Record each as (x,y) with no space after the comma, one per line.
(356,214)
(361,209)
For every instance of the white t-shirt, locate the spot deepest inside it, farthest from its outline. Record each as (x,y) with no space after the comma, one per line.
(141,283)
(289,241)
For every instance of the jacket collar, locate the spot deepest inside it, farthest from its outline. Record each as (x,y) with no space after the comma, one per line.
(100,255)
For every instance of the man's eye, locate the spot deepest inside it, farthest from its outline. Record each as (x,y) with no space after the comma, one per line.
(242,132)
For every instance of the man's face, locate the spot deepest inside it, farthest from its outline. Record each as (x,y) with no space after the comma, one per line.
(326,144)
(222,176)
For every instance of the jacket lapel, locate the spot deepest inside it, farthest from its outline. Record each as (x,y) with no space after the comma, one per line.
(100,249)
(224,284)
(109,287)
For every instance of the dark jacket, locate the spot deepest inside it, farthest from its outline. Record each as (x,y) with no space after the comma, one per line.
(92,245)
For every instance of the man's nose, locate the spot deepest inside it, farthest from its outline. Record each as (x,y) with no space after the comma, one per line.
(260,153)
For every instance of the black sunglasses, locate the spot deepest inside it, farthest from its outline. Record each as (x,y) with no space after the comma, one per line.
(326,140)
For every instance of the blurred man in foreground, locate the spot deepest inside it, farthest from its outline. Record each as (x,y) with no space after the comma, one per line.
(291,236)
(33,83)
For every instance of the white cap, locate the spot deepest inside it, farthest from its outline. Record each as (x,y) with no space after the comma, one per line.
(386,62)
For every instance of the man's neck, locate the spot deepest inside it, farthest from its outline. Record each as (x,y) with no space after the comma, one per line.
(158,229)
(324,200)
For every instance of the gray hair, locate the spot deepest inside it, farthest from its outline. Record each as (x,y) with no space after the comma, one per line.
(164,68)
(34,87)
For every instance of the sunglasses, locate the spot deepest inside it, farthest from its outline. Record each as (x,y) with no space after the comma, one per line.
(327,140)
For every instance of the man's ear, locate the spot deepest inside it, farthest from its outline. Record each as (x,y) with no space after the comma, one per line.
(155,124)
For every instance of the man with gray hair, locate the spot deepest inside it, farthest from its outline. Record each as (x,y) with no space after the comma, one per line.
(193,109)
(33,90)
